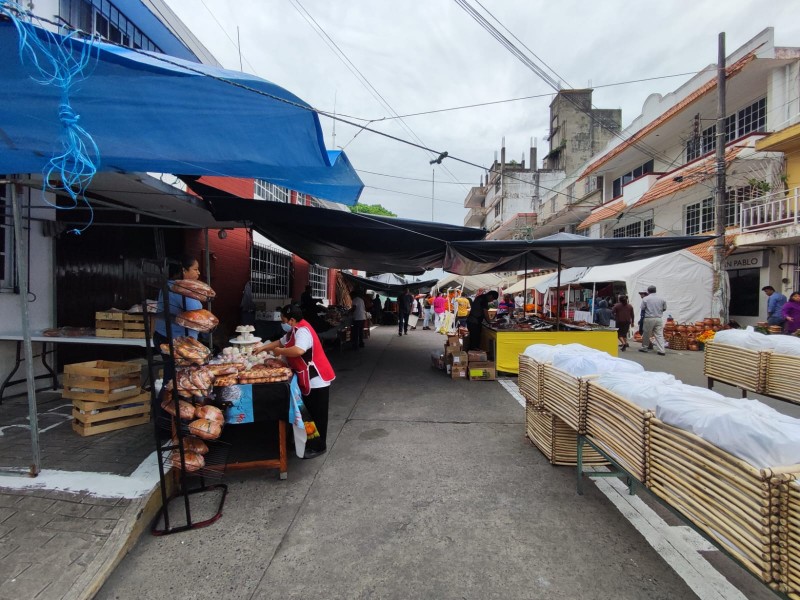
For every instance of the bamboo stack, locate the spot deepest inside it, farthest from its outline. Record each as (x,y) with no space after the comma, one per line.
(781,377)
(734,503)
(619,427)
(786,536)
(557,441)
(565,396)
(531,380)
(741,367)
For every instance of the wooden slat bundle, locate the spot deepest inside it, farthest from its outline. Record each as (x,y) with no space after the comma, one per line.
(564,395)
(781,377)
(557,441)
(619,427)
(531,379)
(734,503)
(786,536)
(741,367)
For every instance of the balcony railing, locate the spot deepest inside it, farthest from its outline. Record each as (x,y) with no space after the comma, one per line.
(773,210)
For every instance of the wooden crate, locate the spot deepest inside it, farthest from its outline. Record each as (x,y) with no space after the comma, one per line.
(101,381)
(619,428)
(735,504)
(741,367)
(781,377)
(557,441)
(565,396)
(133,326)
(92,418)
(531,380)
(109,324)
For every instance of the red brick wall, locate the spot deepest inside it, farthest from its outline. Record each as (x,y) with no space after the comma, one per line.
(230,271)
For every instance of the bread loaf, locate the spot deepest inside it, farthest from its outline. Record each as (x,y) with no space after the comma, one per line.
(199,320)
(205,429)
(192,460)
(193,289)
(193,444)
(185,408)
(212,413)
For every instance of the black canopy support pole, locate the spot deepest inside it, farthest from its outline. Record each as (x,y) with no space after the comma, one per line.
(525,287)
(558,292)
(208,281)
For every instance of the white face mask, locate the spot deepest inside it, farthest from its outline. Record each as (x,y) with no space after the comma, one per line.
(286,327)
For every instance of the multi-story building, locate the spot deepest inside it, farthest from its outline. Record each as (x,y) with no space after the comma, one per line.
(659,177)
(509,203)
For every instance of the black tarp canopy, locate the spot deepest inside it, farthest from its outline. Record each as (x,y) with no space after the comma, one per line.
(392,289)
(341,239)
(558,250)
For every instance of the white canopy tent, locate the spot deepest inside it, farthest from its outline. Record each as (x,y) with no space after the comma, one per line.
(532,282)
(682,279)
(473,283)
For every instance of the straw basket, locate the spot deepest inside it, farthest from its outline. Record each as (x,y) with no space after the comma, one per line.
(781,377)
(741,367)
(678,342)
(557,441)
(564,395)
(619,428)
(734,503)
(531,379)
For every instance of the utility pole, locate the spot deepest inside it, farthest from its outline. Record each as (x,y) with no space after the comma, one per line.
(433,188)
(720,297)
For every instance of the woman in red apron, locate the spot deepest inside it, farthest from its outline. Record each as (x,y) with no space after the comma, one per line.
(304,354)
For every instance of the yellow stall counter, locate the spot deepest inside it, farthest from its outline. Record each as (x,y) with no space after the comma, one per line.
(506,346)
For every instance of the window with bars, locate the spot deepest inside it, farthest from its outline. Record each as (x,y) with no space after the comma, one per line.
(269,272)
(318,280)
(637,229)
(497,209)
(620,182)
(747,120)
(700,217)
(264,190)
(104,19)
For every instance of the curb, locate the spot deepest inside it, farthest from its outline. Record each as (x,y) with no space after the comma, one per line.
(133,523)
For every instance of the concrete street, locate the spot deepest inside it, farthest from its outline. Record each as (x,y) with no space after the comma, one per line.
(429,490)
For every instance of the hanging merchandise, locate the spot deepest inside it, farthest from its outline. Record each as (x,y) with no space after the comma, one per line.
(303,427)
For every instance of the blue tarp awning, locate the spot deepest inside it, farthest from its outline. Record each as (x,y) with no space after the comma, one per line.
(156,113)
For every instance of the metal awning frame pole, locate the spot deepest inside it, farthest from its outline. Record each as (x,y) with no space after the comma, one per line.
(207,261)
(21,256)
(558,292)
(525,287)
(594,306)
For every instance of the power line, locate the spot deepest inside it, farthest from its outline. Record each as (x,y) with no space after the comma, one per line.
(372,187)
(411,178)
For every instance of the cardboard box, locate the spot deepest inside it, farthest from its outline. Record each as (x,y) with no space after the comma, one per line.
(457,358)
(453,340)
(477,356)
(448,350)
(458,372)
(437,360)
(482,371)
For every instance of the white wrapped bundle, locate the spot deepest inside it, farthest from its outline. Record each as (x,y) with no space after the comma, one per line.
(642,389)
(544,353)
(593,363)
(743,338)
(748,429)
(784,344)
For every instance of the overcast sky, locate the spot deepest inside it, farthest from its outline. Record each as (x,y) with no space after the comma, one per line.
(430,55)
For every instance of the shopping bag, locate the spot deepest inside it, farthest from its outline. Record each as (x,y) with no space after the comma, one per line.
(241,399)
(413,320)
(303,427)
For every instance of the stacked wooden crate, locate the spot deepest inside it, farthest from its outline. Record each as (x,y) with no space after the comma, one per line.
(105,396)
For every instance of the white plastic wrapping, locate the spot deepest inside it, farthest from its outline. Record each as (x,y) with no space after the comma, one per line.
(784,344)
(593,363)
(742,338)
(642,389)
(544,353)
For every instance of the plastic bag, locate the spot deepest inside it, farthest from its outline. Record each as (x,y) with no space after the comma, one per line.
(585,363)
(303,426)
(642,389)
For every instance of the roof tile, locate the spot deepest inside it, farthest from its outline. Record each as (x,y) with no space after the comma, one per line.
(605,211)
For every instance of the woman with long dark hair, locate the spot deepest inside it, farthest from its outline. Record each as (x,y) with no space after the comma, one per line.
(623,316)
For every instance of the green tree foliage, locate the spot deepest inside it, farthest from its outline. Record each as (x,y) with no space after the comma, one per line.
(372,209)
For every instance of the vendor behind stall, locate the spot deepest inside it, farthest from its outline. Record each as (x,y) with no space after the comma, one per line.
(187,269)
(304,353)
(477,314)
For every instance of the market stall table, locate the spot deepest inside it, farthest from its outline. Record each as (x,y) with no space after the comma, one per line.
(51,341)
(270,403)
(506,345)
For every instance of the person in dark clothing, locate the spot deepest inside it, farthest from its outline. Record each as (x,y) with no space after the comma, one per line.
(623,316)
(377,310)
(404,301)
(478,312)
(602,316)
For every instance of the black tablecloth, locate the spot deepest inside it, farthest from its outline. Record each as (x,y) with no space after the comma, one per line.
(270,401)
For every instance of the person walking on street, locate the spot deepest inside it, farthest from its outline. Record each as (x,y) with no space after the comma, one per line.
(653,308)
(427,311)
(377,310)
(439,305)
(603,314)
(623,316)
(416,309)
(404,301)
(477,314)
(791,312)
(462,311)
(775,302)
(359,319)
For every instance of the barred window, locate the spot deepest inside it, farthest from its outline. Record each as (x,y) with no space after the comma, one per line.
(752,118)
(104,19)
(269,272)
(637,229)
(747,120)
(699,217)
(264,190)
(318,280)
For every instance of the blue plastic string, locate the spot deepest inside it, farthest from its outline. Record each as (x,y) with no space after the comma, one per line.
(55,63)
